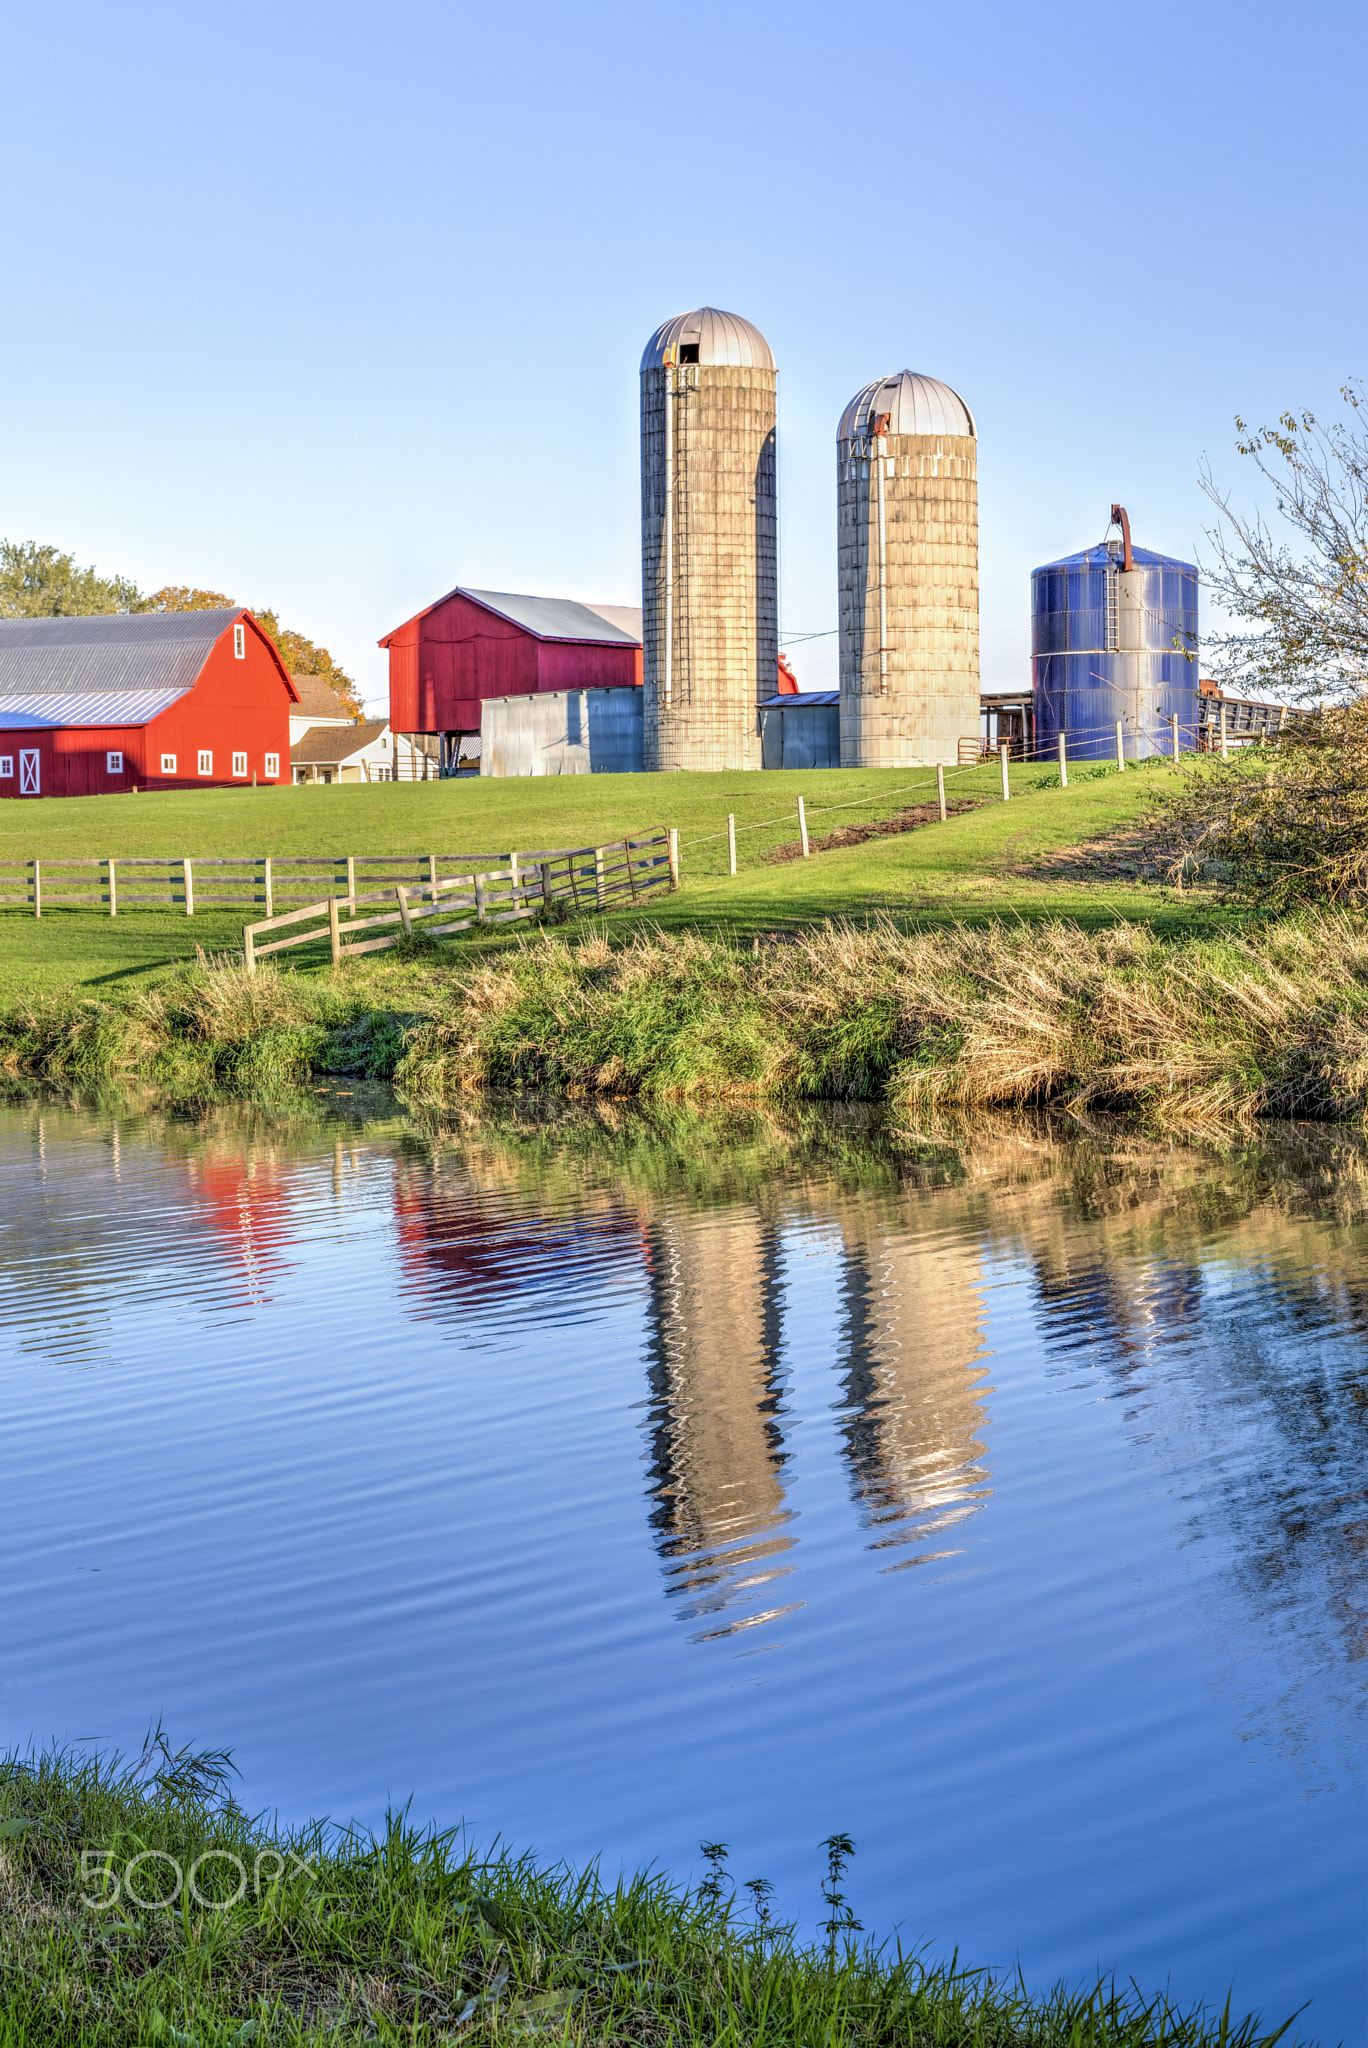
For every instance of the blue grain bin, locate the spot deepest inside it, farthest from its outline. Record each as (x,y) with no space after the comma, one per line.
(1109,644)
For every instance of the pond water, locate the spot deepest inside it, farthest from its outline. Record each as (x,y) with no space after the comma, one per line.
(609,1485)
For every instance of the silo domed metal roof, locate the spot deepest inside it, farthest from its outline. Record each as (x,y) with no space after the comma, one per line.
(723,338)
(918,405)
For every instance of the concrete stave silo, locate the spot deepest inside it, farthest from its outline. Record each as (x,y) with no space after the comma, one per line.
(710,616)
(907,518)
(1114,636)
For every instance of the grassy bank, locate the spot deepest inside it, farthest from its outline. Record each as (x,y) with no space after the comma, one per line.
(991,860)
(339,1937)
(1270,1022)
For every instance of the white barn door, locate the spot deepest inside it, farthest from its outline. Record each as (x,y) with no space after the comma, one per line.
(30,780)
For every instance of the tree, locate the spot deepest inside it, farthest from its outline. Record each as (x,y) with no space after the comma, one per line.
(179,597)
(37,581)
(1303,608)
(302,658)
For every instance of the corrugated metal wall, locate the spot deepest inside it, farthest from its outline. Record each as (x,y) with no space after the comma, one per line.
(573,732)
(800,736)
(1111,644)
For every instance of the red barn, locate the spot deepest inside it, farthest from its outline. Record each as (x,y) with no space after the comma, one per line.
(153,700)
(473,644)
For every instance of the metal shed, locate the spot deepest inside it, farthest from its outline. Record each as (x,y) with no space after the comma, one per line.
(569,732)
(801,729)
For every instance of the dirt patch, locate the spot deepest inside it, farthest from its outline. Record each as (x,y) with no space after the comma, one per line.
(1116,857)
(910,819)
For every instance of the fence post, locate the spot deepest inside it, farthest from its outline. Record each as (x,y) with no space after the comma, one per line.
(334,936)
(513,875)
(1003,751)
(672,843)
(731,841)
(802,827)
(249,948)
(480,900)
(402,893)
(37,888)
(1225,736)
(189,874)
(598,878)
(266,863)
(1173,724)
(113,888)
(432,858)
(1063,764)
(351,878)
(940,788)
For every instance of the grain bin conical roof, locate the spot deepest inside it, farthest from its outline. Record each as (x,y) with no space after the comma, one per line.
(918,405)
(721,338)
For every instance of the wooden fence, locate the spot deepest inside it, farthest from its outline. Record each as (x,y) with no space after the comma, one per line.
(243,881)
(589,877)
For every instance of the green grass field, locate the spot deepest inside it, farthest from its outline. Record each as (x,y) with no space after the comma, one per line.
(978,865)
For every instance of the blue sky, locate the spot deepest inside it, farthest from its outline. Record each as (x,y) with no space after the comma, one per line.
(332,308)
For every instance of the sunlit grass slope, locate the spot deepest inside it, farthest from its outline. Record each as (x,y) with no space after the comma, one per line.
(976,865)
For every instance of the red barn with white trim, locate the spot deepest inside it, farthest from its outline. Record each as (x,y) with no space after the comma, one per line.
(152,700)
(473,644)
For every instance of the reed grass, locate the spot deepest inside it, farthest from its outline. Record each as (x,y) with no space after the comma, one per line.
(1191,1032)
(415,1937)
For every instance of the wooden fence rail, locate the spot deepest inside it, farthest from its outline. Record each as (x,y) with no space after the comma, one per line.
(239,881)
(592,877)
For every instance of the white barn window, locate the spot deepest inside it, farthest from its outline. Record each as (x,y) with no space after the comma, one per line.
(206,761)
(239,764)
(168,764)
(239,643)
(114,762)
(273,764)
(6,764)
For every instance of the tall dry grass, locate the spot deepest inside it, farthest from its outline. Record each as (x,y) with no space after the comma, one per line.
(1192,1032)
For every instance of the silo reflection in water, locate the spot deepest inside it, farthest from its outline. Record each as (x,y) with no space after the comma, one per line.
(912,1391)
(717,1450)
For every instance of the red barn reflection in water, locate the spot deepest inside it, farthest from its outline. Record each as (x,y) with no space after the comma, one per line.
(248,1198)
(472,1240)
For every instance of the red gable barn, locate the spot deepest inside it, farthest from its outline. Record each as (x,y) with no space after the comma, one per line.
(473,644)
(156,700)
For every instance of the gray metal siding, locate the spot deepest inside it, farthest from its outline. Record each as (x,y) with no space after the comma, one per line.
(571,732)
(800,735)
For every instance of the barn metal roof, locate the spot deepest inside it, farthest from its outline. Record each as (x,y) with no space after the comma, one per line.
(918,404)
(551,618)
(796,700)
(111,656)
(82,707)
(627,617)
(325,743)
(724,339)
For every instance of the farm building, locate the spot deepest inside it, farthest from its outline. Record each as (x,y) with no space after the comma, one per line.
(475,644)
(319,704)
(344,753)
(145,700)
